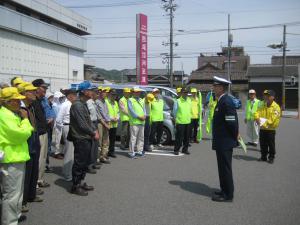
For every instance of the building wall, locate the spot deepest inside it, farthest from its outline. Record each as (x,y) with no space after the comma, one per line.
(32,58)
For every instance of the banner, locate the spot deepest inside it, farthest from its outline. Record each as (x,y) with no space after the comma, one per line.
(141,49)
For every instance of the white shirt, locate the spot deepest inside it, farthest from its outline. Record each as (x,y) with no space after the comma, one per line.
(63,116)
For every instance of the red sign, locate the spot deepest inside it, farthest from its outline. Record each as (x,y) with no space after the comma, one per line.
(141,50)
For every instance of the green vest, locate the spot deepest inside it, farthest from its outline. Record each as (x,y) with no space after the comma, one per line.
(195,108)
(157,110)
(184,108)
(123,116)
(250,112)
(14,133)
(113,110)
(211,107)
(138,108)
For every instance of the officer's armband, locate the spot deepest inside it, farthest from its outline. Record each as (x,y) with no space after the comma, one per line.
(229,118)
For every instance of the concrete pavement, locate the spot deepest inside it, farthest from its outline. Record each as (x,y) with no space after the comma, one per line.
(162,190)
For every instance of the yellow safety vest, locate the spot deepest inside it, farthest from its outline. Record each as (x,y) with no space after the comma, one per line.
(195,108)
(138,108)
(184,108)
(250,111)
(157,110)
(113,110)
(123,116)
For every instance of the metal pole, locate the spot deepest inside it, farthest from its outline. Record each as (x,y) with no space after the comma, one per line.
(171,42)
(182,73)
(283,66)
(229,54)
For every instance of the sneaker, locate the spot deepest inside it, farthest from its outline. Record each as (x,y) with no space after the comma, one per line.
(140,153)
(132,155)
(105,161)
(25,209)
(151,147)
(43,184)
(160,146)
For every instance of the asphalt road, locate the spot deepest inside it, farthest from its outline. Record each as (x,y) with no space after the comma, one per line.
(165,190)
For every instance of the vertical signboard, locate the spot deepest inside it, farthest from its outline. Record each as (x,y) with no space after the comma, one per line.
(141,50)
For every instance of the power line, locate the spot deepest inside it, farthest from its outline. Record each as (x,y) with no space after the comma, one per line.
(119,4)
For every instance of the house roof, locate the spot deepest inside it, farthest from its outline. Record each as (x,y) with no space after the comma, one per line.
(268,70)
(208,75)
(155,72)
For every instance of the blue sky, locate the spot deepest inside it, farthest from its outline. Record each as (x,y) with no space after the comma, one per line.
(190,15)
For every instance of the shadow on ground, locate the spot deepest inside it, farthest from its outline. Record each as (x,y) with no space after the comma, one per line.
(245,157)
(64,184)
(194,187)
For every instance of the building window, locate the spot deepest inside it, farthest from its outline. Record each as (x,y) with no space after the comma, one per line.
(75,75)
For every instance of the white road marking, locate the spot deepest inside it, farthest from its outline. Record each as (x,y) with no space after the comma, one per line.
(154,152)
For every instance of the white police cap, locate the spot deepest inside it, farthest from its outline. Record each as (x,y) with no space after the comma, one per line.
(220,80)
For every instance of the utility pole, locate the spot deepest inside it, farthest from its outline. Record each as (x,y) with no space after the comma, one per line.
(283,66)
(230,40)
(170,6)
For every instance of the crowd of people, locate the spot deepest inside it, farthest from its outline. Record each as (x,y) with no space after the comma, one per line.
(79,126)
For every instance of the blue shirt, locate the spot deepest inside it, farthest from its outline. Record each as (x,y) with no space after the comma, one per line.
(49,111)
(130,108)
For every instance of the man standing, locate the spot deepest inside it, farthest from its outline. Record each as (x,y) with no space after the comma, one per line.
(252,127)
(195,115)
(147,128)
(124,116)
(81,133)
(113,110)
(14,133)
(225,131)
(103,126)
(44,118)
(63,123)
(182,112)
(157,118)
(137,115)
(268,117)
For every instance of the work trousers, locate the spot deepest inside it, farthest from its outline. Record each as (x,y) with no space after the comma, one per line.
(224,159)
(194,129)
(147,131)
(82,154)
(252,131)
(182,137)
(156,132)
(136,138)
(68,154)
(12,184)
(94,149)
(31,177)
(43,155)
(125,134)
(103,141)
(112,139)
(267,143)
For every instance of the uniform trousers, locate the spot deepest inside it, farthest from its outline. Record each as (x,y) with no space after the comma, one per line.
(194,129)
(182,137)
(136,138)
(156,132)
(12,184)
(267,143)
(125,134)
(82,154)
(252,131)
(68,154)
(224,159)
(103,141)
(43,155)
(112,139)
(147,131)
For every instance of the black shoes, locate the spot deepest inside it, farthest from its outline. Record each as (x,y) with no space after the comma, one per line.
(112,154)
(271,161)
(87,187)
(78,190)
(262,159)
(221,198)
(104,161)
(92,171)
(176,153)
(22,218)
(219,193)
(186,152)
(96,167)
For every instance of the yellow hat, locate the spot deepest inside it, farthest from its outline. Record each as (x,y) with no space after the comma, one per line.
(150,97)
(17,80)
(106,89)
(100,88)
(26,86)
(178,90)
(126,90)
(10,93)
(193,90)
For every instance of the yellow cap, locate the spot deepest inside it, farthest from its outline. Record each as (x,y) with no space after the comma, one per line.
(178,90)
(10,93)
(18,80)
(126,90)
(106,89)
(100,88)
(26,86)
(193,90)
(150,97)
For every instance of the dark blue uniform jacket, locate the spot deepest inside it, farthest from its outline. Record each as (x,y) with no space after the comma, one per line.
(225,126)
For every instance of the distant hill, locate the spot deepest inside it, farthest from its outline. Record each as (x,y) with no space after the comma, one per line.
(111,75)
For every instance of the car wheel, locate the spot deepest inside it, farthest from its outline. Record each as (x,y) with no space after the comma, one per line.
(166,136)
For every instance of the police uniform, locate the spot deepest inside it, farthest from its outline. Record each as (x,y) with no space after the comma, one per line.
(225,131)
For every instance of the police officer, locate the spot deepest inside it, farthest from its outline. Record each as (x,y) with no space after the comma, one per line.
(225,130)
(182,112)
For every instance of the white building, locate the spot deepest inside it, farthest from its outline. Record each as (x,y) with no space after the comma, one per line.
(42,39)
